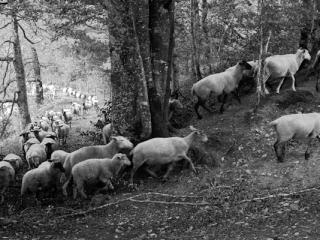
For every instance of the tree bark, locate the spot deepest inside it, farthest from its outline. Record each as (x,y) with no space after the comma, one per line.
(195,49)
(206,38)
(20,76)
(306,29)
(37,76)
(315,28)
(126,73)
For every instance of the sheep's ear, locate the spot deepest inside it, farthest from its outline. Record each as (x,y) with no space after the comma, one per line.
(192,128)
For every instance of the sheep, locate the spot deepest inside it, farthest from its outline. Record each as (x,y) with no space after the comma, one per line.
(159,151)
(67,116)
(220,84)
(62,131)
(36,154)
(59,155)
(295,126)
(315,67)
(280,66)
(78,94)
(40,134)
(106,133)
(30,142)
(46,176)
(7,176)
(14,160)
(51,145)
(97,170)
(44,125)
(77,108)
(117,144)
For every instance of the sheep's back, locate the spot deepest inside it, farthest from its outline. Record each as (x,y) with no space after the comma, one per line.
(159,149)
(280,65)
(87,170)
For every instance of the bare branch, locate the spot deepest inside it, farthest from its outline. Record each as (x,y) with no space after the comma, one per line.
(6,25)
(6,86)
(6,59)
(25,36)
(11,110)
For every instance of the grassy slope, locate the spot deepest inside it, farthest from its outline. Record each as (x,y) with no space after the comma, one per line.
(242,145)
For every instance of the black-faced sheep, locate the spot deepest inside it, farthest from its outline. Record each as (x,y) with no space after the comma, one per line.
(159,151)
(220,84)
(93,171)
(62,131)
(280,66)
(117,144)
(295,126)
(7,176)
(44,177)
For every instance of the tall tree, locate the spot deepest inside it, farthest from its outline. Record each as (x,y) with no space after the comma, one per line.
(37,76)
(139,58)
(20,75)
(194,8)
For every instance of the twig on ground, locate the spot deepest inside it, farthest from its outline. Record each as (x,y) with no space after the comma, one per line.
(132,199)
(279,195)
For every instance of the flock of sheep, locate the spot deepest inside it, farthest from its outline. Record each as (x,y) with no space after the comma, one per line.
(50,168)
(297,126)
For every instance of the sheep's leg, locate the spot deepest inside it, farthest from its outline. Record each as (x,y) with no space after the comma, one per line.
(265,79)
(65,186)
(201,103)
(279,149)
(280,84)
(293,82)
(190,162)
(308,151)
(152,173)
(170,168)
(224,99)
(236,95)
(75,191)
(107,182)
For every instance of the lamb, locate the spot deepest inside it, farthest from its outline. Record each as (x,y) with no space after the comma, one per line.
(44,177)
(159,151)
(117,144)
(106,133)
(280,66)
(220,84)
(77,108)
(97,170)
(7,176)
(295,126)
(62,131)
(14,160)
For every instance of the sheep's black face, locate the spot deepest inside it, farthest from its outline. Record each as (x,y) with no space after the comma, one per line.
(245,65)
(58,165)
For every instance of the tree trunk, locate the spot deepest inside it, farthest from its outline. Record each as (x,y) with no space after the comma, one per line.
(169,63)
(195,49)
(37,76)
(20,76)
(306,29)
(206,38)
(315,28)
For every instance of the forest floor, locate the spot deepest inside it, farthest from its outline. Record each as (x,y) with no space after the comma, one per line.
(240,191)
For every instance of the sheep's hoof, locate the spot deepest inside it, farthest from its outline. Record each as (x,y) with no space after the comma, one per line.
(307,156)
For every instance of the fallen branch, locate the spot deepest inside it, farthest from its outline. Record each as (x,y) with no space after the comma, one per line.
(132,199)
(279,195)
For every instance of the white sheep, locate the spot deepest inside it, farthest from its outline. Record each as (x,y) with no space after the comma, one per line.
(14,160)
(106,133)
(30,142)
(7,176)
(62,131)
(220,84)
(36,154)
(159,151)
(117,144)
(295,126)
(281,66)
(67,116)
(44,125)
(59,155)
(46,176)
(97,170)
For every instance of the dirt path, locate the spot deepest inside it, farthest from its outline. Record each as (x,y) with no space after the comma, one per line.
(218,203)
